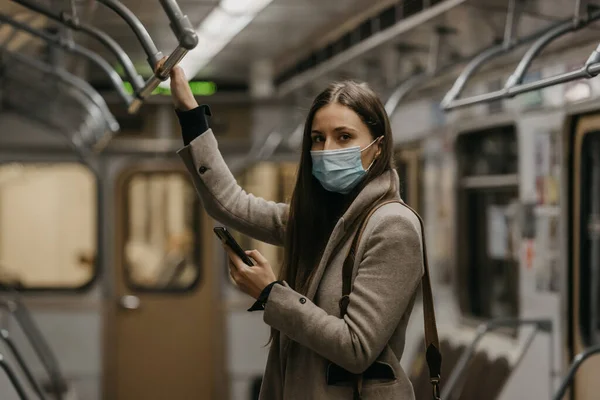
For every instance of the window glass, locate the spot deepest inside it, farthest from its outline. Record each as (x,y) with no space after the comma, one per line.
(488,256)
(490,153)
(48,225)
(161,247)
(492,257)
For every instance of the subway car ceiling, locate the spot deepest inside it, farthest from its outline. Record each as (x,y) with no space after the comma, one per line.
(383,43)
(404,50)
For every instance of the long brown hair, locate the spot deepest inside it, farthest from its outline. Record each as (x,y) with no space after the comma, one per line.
(313,210)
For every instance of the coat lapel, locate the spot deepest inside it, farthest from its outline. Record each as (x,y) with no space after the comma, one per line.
(371,193)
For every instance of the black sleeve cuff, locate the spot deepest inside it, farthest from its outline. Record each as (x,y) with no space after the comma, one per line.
(264,296)
(193,122)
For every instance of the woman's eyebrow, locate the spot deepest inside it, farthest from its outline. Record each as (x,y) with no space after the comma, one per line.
(344,128)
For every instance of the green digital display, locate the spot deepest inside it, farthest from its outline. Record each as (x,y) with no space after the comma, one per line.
(199,88)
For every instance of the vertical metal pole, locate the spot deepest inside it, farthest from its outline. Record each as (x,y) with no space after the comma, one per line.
(551,367)
(511,23)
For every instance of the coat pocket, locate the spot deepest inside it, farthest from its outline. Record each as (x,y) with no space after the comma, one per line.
(378,373)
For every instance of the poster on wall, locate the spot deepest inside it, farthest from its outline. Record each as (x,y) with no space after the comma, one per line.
(546,239)
(547,262)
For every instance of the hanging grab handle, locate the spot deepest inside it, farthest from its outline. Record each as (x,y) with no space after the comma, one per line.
(188,40)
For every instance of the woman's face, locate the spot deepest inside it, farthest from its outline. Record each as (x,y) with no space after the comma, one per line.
(336,126)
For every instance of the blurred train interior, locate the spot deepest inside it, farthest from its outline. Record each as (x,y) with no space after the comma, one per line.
(112,283)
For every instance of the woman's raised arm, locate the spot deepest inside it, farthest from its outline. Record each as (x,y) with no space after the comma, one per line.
(221,196)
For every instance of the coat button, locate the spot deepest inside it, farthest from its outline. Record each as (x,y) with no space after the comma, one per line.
(302,300)
(202,169)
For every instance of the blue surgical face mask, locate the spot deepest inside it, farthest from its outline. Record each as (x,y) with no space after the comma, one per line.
(339,170)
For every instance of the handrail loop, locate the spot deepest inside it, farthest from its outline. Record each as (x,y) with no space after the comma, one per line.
(154,55)
(179,23)
(55,40)
(514,84)
(402,90)
(108,42)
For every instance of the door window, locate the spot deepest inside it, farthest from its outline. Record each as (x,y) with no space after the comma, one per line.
(161,250)
(48,226)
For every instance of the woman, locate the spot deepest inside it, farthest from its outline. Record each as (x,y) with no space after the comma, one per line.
(346,167)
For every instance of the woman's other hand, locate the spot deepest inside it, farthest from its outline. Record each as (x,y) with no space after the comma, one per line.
(251,280)
(182,96)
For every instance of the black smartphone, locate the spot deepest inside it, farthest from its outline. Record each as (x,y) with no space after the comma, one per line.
(227,239)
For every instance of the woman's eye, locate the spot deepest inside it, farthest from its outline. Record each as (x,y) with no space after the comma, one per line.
(345,137)
(317,139)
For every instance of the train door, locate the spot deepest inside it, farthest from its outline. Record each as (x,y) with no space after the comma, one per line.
(585,252)
(164,331)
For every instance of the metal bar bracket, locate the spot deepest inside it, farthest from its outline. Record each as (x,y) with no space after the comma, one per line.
(483,330)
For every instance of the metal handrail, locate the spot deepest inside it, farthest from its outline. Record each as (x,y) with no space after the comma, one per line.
(74,142)
(482,330)
(55,40)
(188,40)
(73,23)
(179,23)
(577,362)
(403,90)
(5,337)
(88,94)
(79,84)
(154,55)
(12,377)
(508,44)
(514,85)
(39,345)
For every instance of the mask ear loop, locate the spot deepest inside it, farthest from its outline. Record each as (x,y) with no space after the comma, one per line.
(375,158)
(371,144)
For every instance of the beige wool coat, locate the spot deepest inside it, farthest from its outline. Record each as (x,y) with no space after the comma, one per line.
(387,273)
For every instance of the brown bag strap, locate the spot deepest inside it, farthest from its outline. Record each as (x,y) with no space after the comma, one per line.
(432,345)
